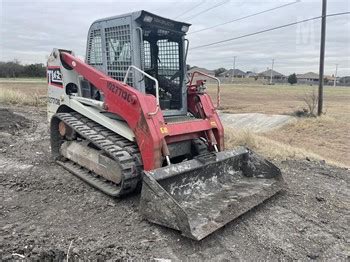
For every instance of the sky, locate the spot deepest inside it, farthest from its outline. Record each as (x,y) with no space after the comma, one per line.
(29,30)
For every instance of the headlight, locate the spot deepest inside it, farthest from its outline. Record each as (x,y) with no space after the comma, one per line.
(184,28)
(148,19)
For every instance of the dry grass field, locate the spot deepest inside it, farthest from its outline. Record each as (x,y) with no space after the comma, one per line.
(30,92)
(325,138)
(280,99)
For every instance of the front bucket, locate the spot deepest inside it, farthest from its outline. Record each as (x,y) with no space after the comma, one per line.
(201,195)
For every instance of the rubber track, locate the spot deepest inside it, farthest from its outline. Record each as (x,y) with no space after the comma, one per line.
(123,151)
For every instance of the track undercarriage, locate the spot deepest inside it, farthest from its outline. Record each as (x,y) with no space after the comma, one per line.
(96,138)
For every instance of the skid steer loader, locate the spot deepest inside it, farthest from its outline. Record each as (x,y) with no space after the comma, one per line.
(128,118)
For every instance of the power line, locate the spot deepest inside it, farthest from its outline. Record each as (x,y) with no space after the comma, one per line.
(190,9)
(244,17)
(268,30)
(208,9)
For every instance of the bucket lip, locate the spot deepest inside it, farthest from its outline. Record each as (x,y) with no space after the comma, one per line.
(198,234)
(193,164)
(184,224)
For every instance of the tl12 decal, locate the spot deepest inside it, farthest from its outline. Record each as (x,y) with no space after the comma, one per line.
(54,76)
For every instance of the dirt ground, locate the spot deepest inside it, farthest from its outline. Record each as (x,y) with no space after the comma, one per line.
(10,122)
(45,210)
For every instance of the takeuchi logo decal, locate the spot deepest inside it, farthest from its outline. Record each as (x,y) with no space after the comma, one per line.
(130,98)
(54,76)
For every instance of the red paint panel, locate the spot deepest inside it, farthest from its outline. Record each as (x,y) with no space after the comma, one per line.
(188,127)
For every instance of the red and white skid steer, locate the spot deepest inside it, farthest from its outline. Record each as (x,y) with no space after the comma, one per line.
(128,119)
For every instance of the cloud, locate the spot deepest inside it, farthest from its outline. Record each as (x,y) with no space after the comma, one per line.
(29,30)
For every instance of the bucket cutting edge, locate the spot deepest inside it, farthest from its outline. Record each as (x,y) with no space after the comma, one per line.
(199,196)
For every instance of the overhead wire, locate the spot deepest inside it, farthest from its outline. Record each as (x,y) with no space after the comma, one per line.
(206,10)
(267,30)
(245,17)
(190,9)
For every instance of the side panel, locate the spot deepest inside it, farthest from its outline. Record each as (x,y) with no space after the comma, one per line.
(58,78)
(55,89)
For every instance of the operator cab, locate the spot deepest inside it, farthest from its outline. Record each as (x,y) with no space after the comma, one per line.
(154,44)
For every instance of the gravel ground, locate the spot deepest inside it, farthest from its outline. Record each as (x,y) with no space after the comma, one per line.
(255,122)
(46,212)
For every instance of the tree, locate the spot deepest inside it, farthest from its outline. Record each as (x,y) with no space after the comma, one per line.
(292,79)
(11,69)
(15,69)
(219,71)
(34,70)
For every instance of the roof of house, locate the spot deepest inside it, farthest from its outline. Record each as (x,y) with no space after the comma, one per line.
(308,75)
(250,73)
(268,73)
(237,71)
(330,77)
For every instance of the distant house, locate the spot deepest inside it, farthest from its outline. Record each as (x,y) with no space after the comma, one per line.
(201,69)
(275,75)
(249,74)
(329,80)
(237,73)
(200,77)
(345,80)
(308,78)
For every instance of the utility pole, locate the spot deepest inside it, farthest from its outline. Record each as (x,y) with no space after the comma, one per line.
(273,61)
(234,68)
(322,51)
(335,75)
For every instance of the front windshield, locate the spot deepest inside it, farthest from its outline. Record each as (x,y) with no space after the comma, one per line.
(162,59)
